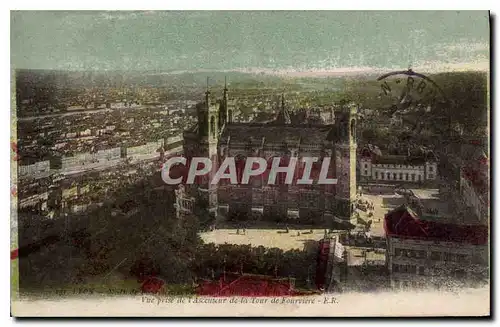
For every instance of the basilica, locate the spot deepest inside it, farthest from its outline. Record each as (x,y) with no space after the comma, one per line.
(217,136)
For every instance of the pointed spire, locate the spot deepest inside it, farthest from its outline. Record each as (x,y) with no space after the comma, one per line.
(207,93)
(283,117)
(225,90)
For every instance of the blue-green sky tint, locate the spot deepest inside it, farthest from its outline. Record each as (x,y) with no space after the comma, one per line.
(238,40)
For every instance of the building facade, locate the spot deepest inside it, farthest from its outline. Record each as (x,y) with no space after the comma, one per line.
(216,136)
(398,168)
(424,253)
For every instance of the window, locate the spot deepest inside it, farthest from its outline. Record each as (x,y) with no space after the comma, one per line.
(407,269)
(353,129)
(431,176)
(401,176)
(212,126)
(366,172)
(406,177)
(376,174)
(421,270)
(366,166)
(388,175)
(420,254)
(394,176)
(449,256)
(436,256)
(431,168)
(413,177)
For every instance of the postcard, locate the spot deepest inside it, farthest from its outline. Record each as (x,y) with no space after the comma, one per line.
(250,163)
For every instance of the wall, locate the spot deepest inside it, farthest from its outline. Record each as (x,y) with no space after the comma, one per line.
(434,261)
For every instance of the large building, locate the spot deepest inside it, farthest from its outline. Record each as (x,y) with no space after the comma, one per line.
(429,253)
(412,168)
(217,136)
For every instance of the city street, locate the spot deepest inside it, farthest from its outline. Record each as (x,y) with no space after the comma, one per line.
(382,203)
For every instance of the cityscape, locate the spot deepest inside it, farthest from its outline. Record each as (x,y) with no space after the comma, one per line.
(409,210)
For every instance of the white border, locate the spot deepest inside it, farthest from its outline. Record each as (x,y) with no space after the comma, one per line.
(185,5)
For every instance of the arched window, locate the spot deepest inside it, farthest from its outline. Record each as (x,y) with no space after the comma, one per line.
(240,161)
(212,126)
(353,129)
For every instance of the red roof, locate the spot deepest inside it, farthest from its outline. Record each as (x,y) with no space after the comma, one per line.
(403,222)
(247,285)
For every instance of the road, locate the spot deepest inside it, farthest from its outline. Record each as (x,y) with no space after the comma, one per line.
(383,203)
(76,112)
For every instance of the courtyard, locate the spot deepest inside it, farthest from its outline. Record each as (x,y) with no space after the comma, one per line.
(299,239)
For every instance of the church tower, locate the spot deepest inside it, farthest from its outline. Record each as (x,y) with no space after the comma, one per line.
(345,161)
(208,139)
(225,110)
(208,125)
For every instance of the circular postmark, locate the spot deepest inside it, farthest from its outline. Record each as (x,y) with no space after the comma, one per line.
(411,97)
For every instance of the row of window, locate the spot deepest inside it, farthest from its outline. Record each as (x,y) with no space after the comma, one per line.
(450,257)
(397,166)
(431,168)
(408,269)
(435,284)
(403,284)
(417,254)
(434,255)
(396,176)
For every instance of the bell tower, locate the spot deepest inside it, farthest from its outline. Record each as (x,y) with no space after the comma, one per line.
(208,139)
(345,161)
(208,125)
(224,114)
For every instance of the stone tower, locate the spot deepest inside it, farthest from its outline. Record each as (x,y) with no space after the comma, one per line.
(345,161)
(208,139)
(225,109)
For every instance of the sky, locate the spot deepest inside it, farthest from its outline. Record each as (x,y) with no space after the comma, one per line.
(266,41)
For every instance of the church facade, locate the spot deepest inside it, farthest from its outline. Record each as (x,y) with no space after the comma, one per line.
(217,136)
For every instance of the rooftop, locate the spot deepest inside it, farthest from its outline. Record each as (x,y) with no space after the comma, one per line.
(403,222)
(290,134)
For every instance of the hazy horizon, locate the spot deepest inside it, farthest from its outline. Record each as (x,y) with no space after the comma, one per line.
(253,41)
